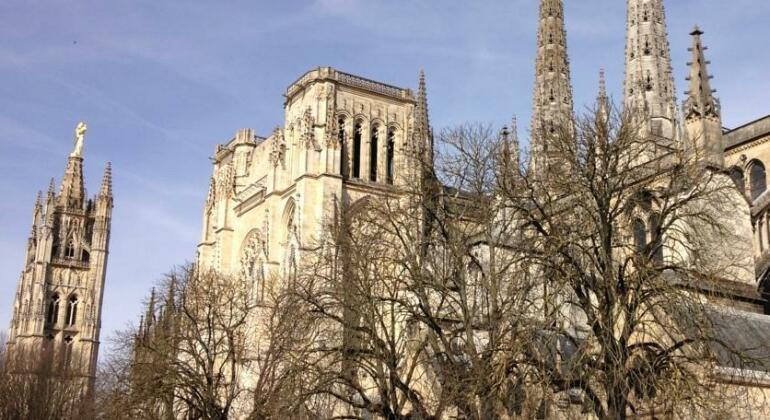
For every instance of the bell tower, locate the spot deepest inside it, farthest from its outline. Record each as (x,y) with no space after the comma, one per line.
(58,303)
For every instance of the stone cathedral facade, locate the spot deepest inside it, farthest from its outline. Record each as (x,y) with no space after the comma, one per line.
(58,304)
(346,137)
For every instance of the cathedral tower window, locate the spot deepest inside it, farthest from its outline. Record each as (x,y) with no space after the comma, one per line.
(373,152)
(343,147)
(357,133)
(69,250)
(72,310)
(389,156)
(53,309)
(758,179)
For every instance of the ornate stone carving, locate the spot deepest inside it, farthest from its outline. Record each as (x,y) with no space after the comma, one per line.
(307,127)
(278,150)
(252,250)
(332,135)
(225,183)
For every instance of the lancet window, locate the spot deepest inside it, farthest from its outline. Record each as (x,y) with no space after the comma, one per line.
(357,133)
(53,309)
(390,151)
(373,152)
(72,310)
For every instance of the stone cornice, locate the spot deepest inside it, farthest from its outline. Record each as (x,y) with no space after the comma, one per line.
(350,80)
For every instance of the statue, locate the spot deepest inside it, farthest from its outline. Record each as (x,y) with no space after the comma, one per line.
(80,132)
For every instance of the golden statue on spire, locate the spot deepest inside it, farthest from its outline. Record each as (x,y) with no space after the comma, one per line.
(80,133)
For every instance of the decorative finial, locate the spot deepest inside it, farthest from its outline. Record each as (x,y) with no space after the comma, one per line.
(80,134)
(696,31)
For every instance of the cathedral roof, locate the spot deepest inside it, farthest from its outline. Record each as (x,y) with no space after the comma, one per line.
(747,132)
(742,333)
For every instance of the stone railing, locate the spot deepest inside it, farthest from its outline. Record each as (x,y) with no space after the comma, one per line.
(67,262)
(328,73)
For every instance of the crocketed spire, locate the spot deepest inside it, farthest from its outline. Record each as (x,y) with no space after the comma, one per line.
(700,100)
(649,82)
(702,114)
(552,106)
(106,187)
(422,132)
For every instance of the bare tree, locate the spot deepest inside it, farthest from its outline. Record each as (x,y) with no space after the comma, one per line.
(424,306)
(39,384)
(188,355)
(631,244)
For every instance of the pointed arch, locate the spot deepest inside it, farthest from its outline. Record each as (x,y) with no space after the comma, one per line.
(374,149)
(72,310)
(253,263)
(342,139)
(69,248)
(358,130)
(757,178)
(53,309)
(390,154)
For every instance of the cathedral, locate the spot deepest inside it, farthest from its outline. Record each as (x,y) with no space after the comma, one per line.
(58,304)
(346,138)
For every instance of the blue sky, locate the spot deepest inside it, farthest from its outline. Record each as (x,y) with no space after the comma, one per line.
(160,83)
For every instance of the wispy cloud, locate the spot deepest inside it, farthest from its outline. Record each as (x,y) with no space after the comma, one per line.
(16,134)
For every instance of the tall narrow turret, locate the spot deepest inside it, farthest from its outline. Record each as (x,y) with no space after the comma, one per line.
(422,131)
(552,106)
(702,114)
(602,99)
(57,310)
(649,82)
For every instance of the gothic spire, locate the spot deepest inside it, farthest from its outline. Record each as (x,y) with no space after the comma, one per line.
(602,99)
(150,317)
(552,99)
(51,189)
(106,188)
(702,114)
(649,81)
(423,131)
(514,144)
(700,100)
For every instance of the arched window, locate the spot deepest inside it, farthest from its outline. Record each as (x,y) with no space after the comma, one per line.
(657,257)
(53,309)
(737,175)
(69,251)
(640,235)
(389,155)
(72,310)
(758,179)
(343,147)
(357,133)
(373,155)
(292,245)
